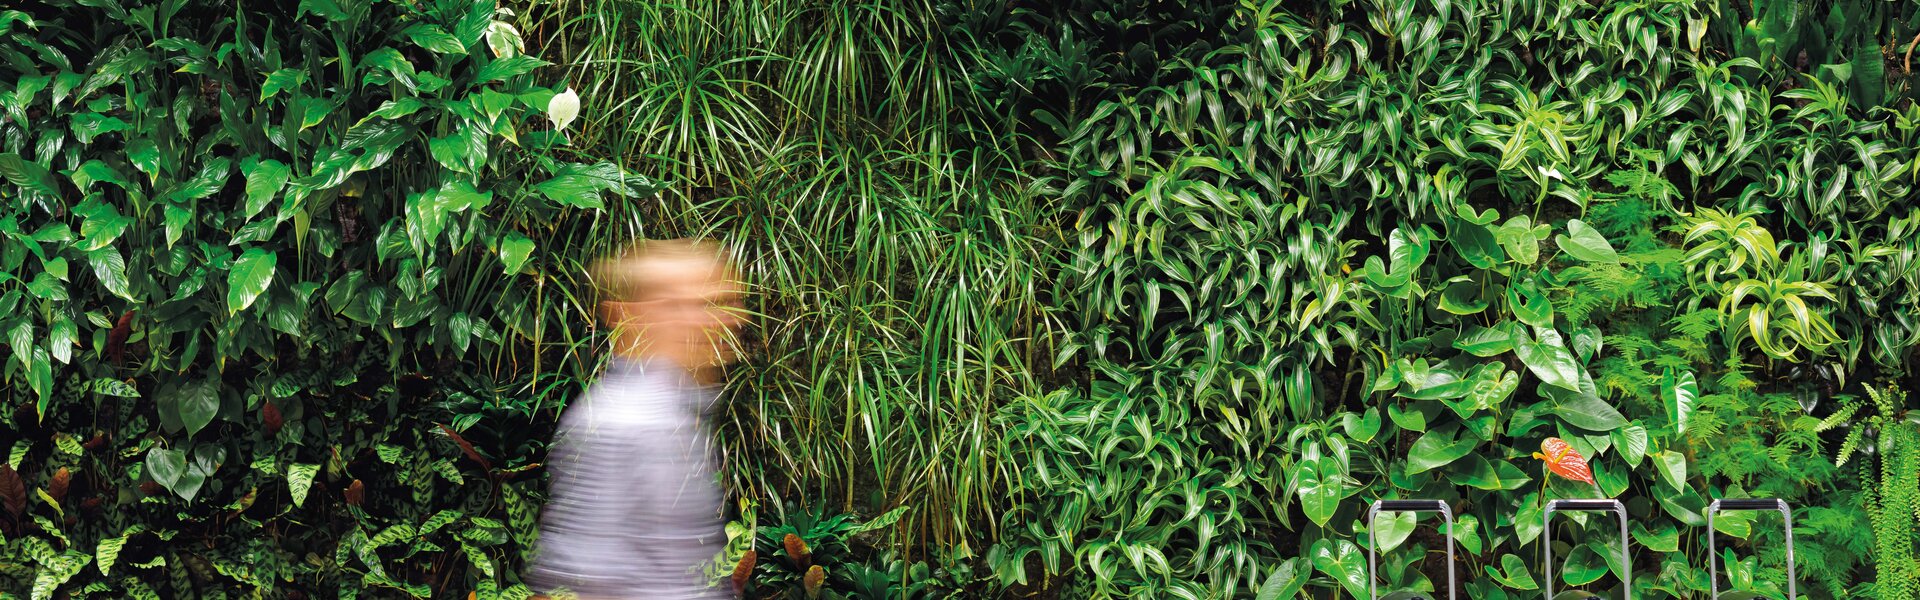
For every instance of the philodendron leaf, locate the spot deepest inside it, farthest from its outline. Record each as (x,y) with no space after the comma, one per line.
(1584,565)
(515,249)
(1513,573)
(1344,562)
(1286,581)
(1673,468)
(1320,489)
(1632,442)
(1547,357)
(1484,341)
(1438,448)
(1680,392)
(1392,529)
(1584,408)
(1586,244)
(1529,304)
(195,405)
(249,278)
(169,468)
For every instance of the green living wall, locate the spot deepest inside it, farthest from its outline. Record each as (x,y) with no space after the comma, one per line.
(1061,299)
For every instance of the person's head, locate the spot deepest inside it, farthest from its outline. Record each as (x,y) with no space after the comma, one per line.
(671,299)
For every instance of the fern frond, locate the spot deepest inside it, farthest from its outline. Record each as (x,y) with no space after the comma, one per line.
(1838,417)
(1847,447)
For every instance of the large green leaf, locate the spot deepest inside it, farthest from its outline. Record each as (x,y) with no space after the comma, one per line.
(515,249)
(1479,472)
(1344,562)
(1584,565)
(1632,442)
(1321,488)
(1513,573)
(1672,467)
(435,39)
(1485,341)
(249,277)
(1463,298)
(194,405)
(1586,244)
(580,186)
(1392,529)
(264,180)
(1286,580)
(169,468)
(1548,358)
(1438,448)
(1583,408)
(1529,304)
(1679,392)
(29,175)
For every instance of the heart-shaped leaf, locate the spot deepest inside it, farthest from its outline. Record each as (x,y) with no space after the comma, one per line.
(1586,244)
(1529,304)
(1344,562)
(169,468)
(1438,448)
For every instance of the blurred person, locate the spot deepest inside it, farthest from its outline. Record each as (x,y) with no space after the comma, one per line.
(635,507)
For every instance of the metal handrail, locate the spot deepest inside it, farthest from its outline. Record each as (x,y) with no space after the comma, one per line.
(1786,515)
(1587,505)
(1373,545)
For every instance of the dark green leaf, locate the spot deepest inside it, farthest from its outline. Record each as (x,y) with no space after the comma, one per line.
(1484,341)
(29,175)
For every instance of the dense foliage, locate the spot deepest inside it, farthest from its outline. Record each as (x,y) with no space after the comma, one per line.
(279,296)
(1088,298)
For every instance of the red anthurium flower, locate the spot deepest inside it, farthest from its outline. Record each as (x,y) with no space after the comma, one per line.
(1562,460)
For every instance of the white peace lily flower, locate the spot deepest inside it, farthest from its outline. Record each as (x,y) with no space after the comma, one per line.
(563,108)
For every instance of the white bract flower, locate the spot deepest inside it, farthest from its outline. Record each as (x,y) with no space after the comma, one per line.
(563,108)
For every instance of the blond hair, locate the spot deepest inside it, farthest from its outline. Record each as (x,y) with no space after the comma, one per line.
(631,274)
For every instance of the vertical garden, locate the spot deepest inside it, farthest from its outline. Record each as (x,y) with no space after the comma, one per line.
(1054,299)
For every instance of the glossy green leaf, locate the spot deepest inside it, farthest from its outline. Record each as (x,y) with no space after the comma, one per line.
(264,180)
(1478,472)
(1286,580)
(1320,489)
(1547,357)
(1584,565)
(1438,448)
(1513,573)
(1632,442)
(1680,393)
(1529,304)
(249,277)
(515,249)
(1484,341)
(1672,467)
(1344,562)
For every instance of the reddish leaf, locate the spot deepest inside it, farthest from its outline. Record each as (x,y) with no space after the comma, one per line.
(150,488)
(467,448)
(117,338)
(356,493)
(270,417)
(13,491)
(99,439)
(58,487)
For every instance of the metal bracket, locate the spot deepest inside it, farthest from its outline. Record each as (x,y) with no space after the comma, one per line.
(1546,541)
(1713,553)
(1380,506)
